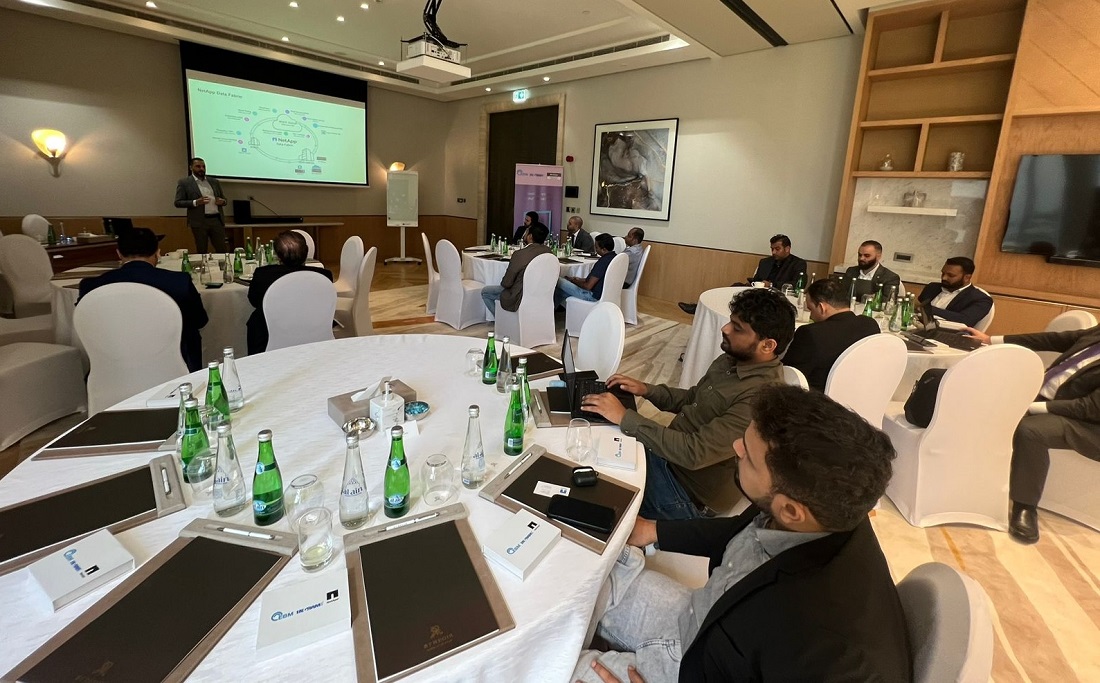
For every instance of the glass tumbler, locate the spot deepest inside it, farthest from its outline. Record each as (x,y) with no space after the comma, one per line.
(578,440)
(304,493)
(438,476)
(473,362)
(316,543)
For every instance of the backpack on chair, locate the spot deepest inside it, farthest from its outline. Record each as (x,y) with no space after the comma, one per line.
(922,401)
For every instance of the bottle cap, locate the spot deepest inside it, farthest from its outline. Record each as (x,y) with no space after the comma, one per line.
(227,351)
(264,435)
(504,339)
(523,361)
(397,431)
(213,365)
(491,335)
(185,387)
(475,410)
(223,428)
(191,403)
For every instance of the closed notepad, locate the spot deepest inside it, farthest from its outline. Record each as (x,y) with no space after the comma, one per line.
(618,451)
(81,567)
(519,544)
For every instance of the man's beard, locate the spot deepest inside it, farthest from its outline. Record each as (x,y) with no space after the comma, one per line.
(947,287)
(764,504)
(736,355)
(869,266)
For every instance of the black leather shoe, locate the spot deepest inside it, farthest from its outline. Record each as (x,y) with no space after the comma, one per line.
(1023,523)
(687,308)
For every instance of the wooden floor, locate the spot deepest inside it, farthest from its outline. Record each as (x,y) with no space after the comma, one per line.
(1045,598)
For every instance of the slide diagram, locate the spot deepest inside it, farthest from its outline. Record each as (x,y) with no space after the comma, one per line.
(284,139)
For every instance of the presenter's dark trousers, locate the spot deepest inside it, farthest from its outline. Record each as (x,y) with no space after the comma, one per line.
(1034,437)
(212,228)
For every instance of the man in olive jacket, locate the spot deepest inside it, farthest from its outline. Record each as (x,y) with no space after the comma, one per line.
(689,465)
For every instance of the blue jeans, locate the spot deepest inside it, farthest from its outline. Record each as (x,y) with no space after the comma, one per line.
(490,294)
(664,498)
(566,289)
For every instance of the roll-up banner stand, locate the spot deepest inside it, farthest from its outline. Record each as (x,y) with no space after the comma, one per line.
(540,189)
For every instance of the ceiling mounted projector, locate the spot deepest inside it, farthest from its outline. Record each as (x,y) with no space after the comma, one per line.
(432,56)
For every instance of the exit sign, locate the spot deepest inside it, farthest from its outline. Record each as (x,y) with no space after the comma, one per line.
(519,96)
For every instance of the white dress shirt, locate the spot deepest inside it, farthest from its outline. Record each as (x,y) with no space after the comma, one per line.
(207,191)
(945,297)
(870,274)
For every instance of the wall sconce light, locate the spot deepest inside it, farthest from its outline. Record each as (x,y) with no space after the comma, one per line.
(397,166)
(51,145)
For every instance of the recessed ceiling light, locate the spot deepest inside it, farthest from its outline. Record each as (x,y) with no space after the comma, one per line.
(151,4)
(381,64)
(488,90)
(285,39)
(546,78)
(340,19)
(294,5)
(364,5)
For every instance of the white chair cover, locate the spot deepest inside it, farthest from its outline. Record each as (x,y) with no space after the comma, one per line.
(866,375)
(620,244)
(630,294)
(533,324)
(956,470)
(433,277)
(40,383)
(37,328)
(351,257)
(311,248)
(577,310)
(36,226)
(950,625)
(1071,489)
(602,338)
(983,324)
(26,266)
(131,334)
(299,309)
(354,314)
(459,303)
(794,377)
(1066,322)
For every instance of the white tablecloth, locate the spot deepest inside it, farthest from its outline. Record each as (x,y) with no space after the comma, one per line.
(287,392)
(227,307)
(489,271)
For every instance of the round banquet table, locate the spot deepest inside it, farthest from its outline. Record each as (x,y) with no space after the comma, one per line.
(490,271)
(712,313)
(287,391)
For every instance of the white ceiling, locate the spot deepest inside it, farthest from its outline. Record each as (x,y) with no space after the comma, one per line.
(528,39)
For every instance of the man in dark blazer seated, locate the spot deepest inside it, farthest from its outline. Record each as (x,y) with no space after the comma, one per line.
(870,273)
(816,347)
(781,268)
(953,297)
(578,236)
(291,249)
(1066,414)
(529,219)
(799,589)
(139,252)
(204,200)
(510,290)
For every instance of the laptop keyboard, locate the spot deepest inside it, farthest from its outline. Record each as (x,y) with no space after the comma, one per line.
(954,340)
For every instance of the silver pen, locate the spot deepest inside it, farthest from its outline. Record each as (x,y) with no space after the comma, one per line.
(242,532)
(414,520)
(513,468)
(164,478)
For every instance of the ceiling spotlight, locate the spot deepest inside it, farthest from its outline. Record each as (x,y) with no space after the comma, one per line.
(381,64)
(294,5)
(546,78)
(151,4)
(488,90)
(340,19)
(285,39)
(364,5)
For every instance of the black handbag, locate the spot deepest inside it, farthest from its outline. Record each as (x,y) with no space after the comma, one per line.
(922,401)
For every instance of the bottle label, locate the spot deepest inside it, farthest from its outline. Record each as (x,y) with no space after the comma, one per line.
(260,469)
(258,506)
(352,488)
(396,463)
(396,500)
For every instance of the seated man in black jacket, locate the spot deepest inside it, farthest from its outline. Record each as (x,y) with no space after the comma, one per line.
(292,250)
(781,268)
(799,589)
(953,297)
(816,347)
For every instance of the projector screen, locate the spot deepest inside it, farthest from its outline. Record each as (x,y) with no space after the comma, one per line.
(254,131)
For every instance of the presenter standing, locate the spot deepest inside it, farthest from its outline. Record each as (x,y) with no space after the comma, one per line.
(203,198)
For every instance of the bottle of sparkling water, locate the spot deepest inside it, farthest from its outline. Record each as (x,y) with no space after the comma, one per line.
(194,440)
(525,388)
(895,318)
(876,302)
(185,263)
(229,495)
(249,250)
(238,262)
(216,400)
(800,285)
(489,363)
(504,368)
(354,499)
(184,391)
(231,380)
(267,484)
(514,424)
(473,453)
(906,312)
(395,486)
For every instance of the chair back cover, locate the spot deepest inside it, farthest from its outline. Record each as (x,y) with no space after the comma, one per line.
(360,309)
(630,294)
(26,267)
(459,304)
(794,377)
(533,323)
(36,226)
(602,338)
(620,244)
(299,308)
(983,324)
(311,249)
(613,280)
(433,276)
(351,257)
(866,375)
(131,333)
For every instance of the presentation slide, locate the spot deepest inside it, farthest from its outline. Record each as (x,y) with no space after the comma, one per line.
(252,130)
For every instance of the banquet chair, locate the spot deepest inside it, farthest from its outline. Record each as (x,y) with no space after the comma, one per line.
(1070,321)
(576,310)
(26,266)
(620,244)
(131,333)
(956,470)
(602,339)
(949,623)
(37,328)
(459,303)
(630,293)
(40,383)
(866,375)
(36,226)
(794,377)
(299,308)
(353,315)
(311,248)
(533,323)
(351,257)
(433,277)
(983,324)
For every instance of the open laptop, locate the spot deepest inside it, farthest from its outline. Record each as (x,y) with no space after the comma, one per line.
(564,402)
(953,338)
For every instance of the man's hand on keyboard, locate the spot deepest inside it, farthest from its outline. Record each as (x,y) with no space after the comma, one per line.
(604,404)
(628,384)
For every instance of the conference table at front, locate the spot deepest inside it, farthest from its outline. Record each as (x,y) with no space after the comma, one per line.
(287,392)
(713,312)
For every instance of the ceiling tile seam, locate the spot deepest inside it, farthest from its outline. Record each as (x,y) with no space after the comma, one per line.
(842,17)
(755,22)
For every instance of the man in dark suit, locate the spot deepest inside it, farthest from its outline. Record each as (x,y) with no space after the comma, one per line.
(799,589)
(139,252)
(1066,414)
(582,241)
(781,268)
(953,297)
(510,290)
(529,219)
(204,200)
(866,277)
(816,347)
(291,249)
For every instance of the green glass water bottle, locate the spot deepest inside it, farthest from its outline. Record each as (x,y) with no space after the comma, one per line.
(876,302)
(238,263)
(267,484)
(514,424)
(249,251)
(185,263)
(194,440)
(395,486)
(216,399)
(489,362)
(800,285)
(51,236)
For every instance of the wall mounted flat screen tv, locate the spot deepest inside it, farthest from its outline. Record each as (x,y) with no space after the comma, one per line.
(1055,210)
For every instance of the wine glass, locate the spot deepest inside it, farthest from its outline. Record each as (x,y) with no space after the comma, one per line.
(304,493)
(578,440)
(438,477)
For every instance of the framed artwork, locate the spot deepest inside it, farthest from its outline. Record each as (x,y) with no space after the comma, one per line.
(632,165)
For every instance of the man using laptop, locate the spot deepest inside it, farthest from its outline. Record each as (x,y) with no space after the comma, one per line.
(869,274)
(510,290)
(953,297)
(689,466)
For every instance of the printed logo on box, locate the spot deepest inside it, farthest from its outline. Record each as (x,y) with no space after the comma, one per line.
(84,573)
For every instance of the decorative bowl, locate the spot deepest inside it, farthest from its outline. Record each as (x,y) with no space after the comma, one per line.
(416,410)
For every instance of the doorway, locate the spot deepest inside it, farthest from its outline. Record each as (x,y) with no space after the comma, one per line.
(521,136)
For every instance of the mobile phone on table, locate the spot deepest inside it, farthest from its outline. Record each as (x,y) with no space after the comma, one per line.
(581,513)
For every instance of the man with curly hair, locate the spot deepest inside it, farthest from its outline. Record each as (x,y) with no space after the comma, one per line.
(689,465)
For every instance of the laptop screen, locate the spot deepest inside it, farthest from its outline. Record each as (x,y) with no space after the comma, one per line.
(567,364)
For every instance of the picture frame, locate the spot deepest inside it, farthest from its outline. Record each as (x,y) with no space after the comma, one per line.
(632,169)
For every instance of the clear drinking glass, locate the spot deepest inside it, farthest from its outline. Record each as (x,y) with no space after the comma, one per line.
(787,291)
(438,476)
(304,493)
(200,474)
(578,440)
(473,366)
(316,543)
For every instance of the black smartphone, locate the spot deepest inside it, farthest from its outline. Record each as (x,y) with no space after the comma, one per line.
(581,513)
